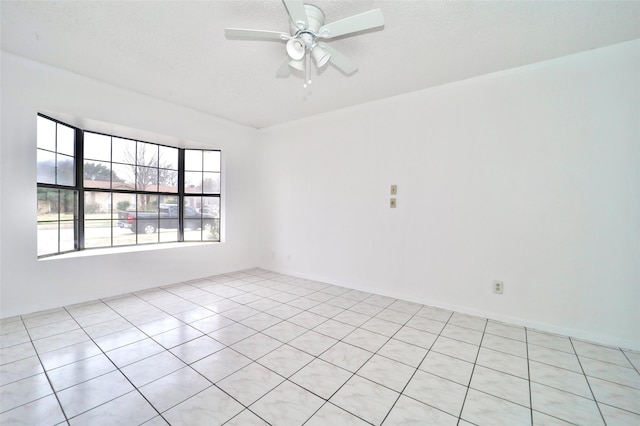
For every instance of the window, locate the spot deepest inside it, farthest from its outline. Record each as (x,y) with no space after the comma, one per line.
(97,190)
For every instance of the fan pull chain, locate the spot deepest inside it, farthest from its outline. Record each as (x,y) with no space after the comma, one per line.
(307,71)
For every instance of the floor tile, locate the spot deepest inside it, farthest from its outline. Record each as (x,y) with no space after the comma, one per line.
(346,356)
(177,336)
(468,321)
(245,418)
(409,412)
(387,372)
(174,388)
(152,368)
(601,353)
(211,323)
(261,321)
(463,334)
(403,352)
(197,349)
(321,378)
(501,361)
(221,364)
(248,384)
(483,409)
(447,367)
(256,347)
(232,334)
(366,339)
(568,361)
(24,391)
(627,376)
(39,412)
(134,352)
(426,324)
(286,360)
(381,326)
(615,416)
(394,316)
(559,378)
(119,339)
(307,319)
(130,408)
(616,395)
(352,318)
(440,393)
(456,349)
(80,371)
(95,392)
(284,331)
(416,337)
(334,329)
(16,353)
(506,330)
(208,407)
(506,345)
(501,385)
(564,405)
(365,399)
(287,405)
(551,341)
(18,370)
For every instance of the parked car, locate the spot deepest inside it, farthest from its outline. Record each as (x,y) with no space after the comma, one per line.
(148,222)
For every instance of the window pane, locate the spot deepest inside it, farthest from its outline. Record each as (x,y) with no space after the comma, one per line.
(124,176)
(147,154)
(193,182)
(96,234)
(97,147)
(67,235)
(97,174)
(46,167)
(66,170)
(168,180)
(66,140)
(123,203)
(124,151)
(168,230)
(212,161)
(210,218)
(147,179)
(147,204)
(68,205)
(168,158)
(211,183)
(47,238)
(192,159)
(46,134)
(123,236)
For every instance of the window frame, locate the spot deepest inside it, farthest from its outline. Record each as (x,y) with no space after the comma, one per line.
(80,217)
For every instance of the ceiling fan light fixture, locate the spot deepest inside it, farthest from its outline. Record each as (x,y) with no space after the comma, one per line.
(320,55)
(295,49)
(298,65)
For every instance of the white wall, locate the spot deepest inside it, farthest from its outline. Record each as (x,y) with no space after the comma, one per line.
(530,176)
(27,284)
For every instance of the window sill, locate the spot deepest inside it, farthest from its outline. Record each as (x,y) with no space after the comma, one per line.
(126,249)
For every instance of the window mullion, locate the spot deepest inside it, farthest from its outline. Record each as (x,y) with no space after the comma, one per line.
(181,194)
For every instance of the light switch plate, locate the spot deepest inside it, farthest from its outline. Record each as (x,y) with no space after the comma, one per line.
(394,189)
(392,203)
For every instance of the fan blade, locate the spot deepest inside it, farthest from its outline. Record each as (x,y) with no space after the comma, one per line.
(244,34)
(283,70)
(339,60)
(352,24)
(296,11)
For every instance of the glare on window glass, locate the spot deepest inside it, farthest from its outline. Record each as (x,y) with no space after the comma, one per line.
(46,134)
(66,140)
(193,160)
(97,147)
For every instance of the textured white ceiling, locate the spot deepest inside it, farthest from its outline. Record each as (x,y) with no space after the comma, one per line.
(176,50)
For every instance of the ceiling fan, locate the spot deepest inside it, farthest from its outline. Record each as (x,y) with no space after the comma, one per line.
(307,28)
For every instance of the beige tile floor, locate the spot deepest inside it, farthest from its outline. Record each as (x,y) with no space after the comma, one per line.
(255,348)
